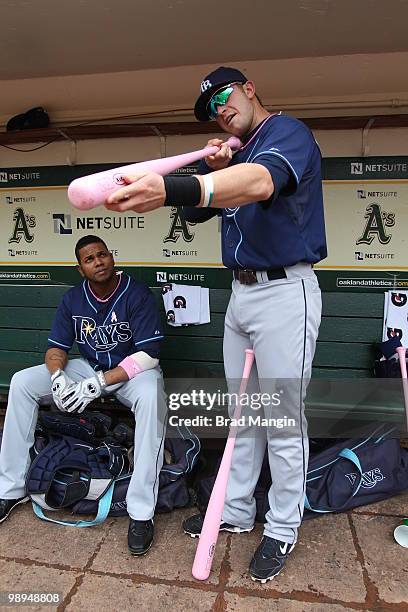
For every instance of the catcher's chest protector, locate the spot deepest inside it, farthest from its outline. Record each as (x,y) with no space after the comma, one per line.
(68,470)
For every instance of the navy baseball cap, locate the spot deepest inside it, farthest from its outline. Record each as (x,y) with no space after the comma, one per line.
(211,83)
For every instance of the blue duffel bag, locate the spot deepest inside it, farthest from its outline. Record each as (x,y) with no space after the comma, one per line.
(354,473)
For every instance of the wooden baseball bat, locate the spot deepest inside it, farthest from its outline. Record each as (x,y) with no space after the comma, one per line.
(211,526)
(90,191)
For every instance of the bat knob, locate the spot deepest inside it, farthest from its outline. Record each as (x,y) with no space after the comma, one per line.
(234,143)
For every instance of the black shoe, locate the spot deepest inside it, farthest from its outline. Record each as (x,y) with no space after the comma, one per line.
(269,559)
(8,505)
(193,525)
(140,536)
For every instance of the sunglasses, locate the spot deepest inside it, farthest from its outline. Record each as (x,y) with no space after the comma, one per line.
(219,99)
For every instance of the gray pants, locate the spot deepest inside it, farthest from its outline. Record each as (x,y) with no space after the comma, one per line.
(280,320)
(144,395)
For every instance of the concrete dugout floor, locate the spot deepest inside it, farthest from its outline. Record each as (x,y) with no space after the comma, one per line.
(342,562)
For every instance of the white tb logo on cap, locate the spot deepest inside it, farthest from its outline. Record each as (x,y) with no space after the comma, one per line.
(205,85)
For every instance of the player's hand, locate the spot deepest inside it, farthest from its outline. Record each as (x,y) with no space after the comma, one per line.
(221,159)
(77,397)
(60,383)
(144,192)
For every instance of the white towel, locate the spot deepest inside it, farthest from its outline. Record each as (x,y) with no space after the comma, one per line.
(396,315)
(204,305)
(186,304)
(167,294)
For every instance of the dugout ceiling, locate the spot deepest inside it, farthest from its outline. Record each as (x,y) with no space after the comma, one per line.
(83,58)
(47,38)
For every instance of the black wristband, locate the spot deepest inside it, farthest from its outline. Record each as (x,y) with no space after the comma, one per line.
(182,191)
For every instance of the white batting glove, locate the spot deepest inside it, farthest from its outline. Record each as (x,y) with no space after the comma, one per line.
(60,382)
(77,397)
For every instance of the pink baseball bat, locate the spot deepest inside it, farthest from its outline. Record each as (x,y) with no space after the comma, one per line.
(401,350)
(209,533)
(90,191)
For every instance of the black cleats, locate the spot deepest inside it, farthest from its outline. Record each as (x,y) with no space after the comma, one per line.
(193,525)
(269,559)
(140,536)
(8,505)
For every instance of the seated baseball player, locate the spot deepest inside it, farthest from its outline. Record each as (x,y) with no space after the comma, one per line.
(115,323)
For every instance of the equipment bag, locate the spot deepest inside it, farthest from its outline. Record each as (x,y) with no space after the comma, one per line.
(67,470)
(32,119)
(181,454)
(93,478)
(92,427)
(386,364)
(347,474)
(355,473)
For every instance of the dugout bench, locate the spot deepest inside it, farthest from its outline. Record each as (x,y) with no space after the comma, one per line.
(351,325)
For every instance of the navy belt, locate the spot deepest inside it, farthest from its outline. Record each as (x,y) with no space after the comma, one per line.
(248,277)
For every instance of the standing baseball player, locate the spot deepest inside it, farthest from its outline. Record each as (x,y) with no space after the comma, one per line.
(270,197)
(115,323)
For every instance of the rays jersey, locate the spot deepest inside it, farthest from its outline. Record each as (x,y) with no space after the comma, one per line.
(107,331)
(289,227)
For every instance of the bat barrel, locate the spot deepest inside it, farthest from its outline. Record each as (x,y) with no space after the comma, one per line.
(93,190)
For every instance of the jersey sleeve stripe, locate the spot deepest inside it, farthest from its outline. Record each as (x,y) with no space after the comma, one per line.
(149,340)
(59,343)
(281,157)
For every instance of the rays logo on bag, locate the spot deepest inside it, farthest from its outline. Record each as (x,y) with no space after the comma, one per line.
(103,337)
(370,478)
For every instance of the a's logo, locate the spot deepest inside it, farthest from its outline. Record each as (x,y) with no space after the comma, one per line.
(369,479)
(22,223)
(9,200)
(161,277)
(11,253)
(179,227)
(361,193)
(3,177)
(359,255)
(62,223)
(399,299)
(166,253)
(180,302)
(114,318)
(394,332)
(101,338)
(356,168)
(377,221)
(205,85)
(119,179)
